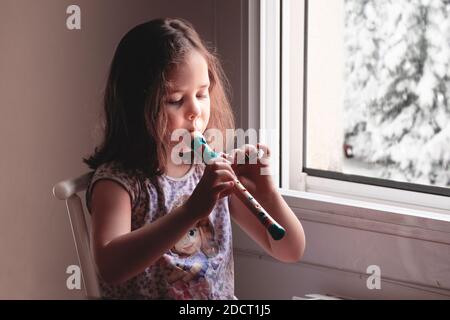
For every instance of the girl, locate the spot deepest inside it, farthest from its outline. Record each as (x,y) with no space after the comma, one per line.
(160,229)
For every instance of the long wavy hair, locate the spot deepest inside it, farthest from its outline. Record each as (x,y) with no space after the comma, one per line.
(135,125)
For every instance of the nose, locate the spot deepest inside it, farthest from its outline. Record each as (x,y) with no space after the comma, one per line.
(193,110)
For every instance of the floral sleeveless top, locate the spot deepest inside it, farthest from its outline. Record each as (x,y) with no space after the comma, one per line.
(200,265)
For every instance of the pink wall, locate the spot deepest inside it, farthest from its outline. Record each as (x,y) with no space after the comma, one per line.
(51,81)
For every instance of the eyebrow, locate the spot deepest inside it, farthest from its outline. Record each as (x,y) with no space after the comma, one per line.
(175,89)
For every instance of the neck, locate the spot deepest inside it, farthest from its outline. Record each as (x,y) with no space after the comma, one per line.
(176,170)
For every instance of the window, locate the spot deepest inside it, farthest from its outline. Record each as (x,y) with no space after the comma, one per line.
(377,86)
(302,101)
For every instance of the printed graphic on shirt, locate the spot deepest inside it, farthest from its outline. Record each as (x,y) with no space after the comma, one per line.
(191,261)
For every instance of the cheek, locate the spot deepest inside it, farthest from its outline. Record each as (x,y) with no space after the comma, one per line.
(172,120)
(206,113)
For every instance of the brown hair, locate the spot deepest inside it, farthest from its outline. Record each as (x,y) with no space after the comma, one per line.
(135,121)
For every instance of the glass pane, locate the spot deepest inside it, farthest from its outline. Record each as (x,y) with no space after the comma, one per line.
(379,89)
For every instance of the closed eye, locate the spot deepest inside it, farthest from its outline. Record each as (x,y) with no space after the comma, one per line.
(175,102)
(180,102)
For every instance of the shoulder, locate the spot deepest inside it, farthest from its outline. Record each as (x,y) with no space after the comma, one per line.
(112,180)
(115,170)
(108,195)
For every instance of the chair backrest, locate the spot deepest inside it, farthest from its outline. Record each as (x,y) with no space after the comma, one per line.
(68,190)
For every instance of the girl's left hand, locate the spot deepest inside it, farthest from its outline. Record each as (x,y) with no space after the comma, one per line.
(255,174)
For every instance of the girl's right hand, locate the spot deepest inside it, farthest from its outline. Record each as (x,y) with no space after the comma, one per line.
(217,182)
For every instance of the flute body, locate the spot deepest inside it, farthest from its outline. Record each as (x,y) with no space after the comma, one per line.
(277,232)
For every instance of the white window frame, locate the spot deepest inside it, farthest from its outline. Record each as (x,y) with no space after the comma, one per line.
(269,116)
(407,213)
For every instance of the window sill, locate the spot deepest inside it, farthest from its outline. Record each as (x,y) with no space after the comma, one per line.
(366,215)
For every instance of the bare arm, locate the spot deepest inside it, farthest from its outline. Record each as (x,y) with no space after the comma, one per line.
(121,254)
(261,185)
(288,249)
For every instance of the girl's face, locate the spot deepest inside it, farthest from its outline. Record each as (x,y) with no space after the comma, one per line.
(187,102)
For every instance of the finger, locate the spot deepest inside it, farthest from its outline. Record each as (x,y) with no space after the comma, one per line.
(224,155)
(219,163)
(264,159)
(219,159)
(250,150)
(227,192)
(224,175)
(265,149)
(223,187)
(249,153)
(229,157)
(238,156)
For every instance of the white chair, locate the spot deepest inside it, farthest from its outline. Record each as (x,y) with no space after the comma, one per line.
(68,190)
